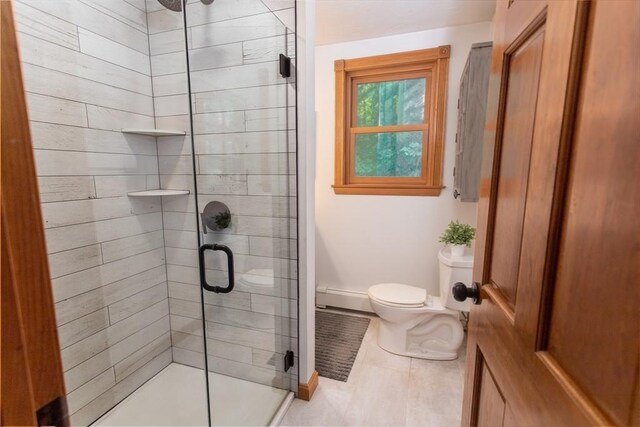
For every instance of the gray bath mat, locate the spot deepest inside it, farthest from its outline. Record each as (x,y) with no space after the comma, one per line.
(338,338)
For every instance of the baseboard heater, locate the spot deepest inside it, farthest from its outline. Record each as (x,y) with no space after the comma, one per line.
(352,300)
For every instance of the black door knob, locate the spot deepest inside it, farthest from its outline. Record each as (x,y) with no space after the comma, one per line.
(461,292)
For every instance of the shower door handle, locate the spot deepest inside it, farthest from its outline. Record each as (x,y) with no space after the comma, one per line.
(203,279)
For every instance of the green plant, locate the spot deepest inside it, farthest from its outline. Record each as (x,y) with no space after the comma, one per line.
(458,234)
(223,220)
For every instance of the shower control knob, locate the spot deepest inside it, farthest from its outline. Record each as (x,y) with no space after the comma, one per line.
(461,292)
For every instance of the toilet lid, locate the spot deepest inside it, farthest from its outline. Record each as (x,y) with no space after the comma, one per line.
(397,293)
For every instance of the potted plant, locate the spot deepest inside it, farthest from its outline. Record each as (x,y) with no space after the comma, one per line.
(457,236)
(223,220)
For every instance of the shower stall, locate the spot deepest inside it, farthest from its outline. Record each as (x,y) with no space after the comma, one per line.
(166,151)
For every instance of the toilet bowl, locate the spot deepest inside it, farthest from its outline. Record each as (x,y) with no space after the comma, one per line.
(415,324)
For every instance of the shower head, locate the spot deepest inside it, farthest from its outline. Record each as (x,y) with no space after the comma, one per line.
(176,5)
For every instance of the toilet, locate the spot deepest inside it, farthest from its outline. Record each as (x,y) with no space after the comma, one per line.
(415,324)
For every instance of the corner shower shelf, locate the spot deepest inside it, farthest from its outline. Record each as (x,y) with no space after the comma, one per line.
(155,193)
(155,132)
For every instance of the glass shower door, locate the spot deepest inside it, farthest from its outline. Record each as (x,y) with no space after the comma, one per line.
(244,151)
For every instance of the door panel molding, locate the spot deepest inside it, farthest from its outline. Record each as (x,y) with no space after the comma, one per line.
(520,90)
(561,179)
(493,293)
(521,17)
(491,402)
(512,339)
(573,390)
(594,331)
(551,142)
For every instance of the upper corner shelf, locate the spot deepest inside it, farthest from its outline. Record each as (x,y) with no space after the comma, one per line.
(155,132)
(154,193)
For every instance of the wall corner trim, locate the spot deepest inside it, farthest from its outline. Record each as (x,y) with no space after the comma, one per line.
(305,391)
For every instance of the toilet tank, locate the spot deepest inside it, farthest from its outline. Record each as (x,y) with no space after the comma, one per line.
(454,270)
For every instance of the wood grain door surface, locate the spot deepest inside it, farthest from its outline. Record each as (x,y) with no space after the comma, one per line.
(32,387)
(555,340)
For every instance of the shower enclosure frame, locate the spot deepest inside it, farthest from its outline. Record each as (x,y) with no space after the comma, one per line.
(291,66)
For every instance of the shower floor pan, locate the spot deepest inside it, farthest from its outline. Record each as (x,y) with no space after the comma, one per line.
(177,397)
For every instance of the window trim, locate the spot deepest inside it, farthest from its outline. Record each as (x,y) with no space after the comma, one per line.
(432,62)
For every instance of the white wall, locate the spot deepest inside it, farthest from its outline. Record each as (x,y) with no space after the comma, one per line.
(364,240)
(305,33)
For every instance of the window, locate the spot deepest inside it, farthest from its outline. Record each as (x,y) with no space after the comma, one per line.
(390,123)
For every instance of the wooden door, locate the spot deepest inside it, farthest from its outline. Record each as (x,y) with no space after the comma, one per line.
(32,390)
(555,340)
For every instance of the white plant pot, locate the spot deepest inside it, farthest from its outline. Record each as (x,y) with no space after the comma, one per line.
(457,250)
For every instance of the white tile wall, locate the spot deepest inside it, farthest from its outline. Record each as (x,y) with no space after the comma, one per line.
(58,214)
(67,262)
(113,185)
(121,389)
(249,75)
(169,63)
(235,30)
(83,15)
(123,11)
(69,138)
(265,49)
(245,152)
(139,358)
(166,42)
(54,163)
(222,184)
(241,99)
(199,13)
(124,270)
(56,110)
(172,105)
(129,246)
(139,4)
(95,45)
(128,330)
(64,238)
(116,120)
(45,81)
(86,280)
(241,143)
(46,27)
(97,68)
(226,122)
(61,188)
(85,303)
(216,56)
(87,71)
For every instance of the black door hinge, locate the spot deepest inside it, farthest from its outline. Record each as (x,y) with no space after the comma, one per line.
(54,413)
(285,66)
(288,360)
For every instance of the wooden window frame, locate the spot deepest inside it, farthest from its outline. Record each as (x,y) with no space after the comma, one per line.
(431,63)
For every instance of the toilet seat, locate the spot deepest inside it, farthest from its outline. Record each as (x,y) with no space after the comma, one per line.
(398,295)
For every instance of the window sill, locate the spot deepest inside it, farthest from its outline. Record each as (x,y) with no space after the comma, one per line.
(380,190)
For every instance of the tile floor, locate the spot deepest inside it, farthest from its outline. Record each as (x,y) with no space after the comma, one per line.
(177,397)
(384,389)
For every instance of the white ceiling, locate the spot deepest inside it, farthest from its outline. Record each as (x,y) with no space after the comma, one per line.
(346,20)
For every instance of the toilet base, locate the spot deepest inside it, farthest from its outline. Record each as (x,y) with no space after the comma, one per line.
(433,336)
